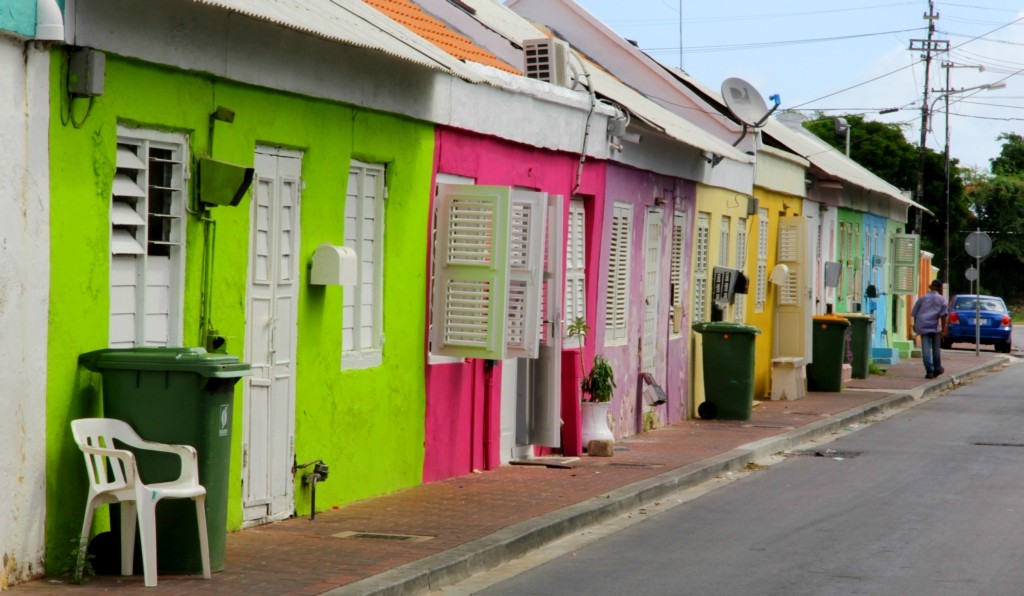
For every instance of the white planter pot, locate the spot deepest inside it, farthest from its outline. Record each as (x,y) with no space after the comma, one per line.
(594,416)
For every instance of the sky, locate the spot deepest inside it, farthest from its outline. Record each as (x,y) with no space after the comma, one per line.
(849,57)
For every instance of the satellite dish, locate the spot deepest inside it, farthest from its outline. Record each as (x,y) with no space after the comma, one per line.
(744,102)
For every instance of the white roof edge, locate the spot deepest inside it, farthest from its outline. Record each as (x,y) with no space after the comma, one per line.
(672,125)
(351,22)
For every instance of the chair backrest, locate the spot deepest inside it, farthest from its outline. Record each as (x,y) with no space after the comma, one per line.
(105,473)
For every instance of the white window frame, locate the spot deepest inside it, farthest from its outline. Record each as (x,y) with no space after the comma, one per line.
(575,271)
(364,224)
(701,268)
(616,310)
(723,241)
(676,268)
(132,215)
(739,313)
(761,283)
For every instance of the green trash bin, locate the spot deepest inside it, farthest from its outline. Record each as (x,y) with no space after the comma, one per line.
(728,352)
(860,342)
(182,396)
(825,373)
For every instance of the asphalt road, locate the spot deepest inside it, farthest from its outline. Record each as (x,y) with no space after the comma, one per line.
(929,502)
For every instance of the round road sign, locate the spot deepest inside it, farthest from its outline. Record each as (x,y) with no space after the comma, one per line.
(978,244)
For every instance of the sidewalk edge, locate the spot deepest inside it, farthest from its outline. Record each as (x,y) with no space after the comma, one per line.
(456,564)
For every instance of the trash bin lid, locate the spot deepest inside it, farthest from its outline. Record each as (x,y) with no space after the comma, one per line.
(192,360)
(855,316)
(831,320)
(724,327)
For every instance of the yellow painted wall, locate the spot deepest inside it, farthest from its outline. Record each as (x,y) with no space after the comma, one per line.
(719,203)
(777,205)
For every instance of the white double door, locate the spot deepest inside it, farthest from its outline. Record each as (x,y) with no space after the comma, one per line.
(269,396)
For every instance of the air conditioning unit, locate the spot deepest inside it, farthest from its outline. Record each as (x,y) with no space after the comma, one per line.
(547,60)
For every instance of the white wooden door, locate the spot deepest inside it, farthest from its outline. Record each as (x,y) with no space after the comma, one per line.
(792,314)
(652,289)
(269,402)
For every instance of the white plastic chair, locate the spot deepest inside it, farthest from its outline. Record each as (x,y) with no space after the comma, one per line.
(114,477)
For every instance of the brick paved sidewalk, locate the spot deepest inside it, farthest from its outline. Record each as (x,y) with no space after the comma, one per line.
(479,520)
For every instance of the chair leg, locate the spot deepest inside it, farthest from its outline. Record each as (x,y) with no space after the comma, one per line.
(128,518)
(204,540)
(147,534)
(83,541)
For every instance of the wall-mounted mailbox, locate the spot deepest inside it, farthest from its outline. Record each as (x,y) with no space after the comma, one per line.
(334,266)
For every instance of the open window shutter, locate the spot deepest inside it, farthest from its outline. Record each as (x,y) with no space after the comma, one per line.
(545,411)
(471,278)
(526,271)
(791,313)
(905,258)
(575,265)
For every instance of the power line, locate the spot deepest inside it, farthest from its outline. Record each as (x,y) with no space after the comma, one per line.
(774,44)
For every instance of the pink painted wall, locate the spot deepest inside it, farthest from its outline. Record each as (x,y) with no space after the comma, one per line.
(463,409)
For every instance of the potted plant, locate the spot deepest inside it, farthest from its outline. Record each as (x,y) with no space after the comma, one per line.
(597,386)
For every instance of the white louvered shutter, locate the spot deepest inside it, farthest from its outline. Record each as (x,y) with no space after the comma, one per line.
(526,272)
(617,290)
(700,269)
(575,266)
(791,312)
(471,279)
(678,251)
(905,259)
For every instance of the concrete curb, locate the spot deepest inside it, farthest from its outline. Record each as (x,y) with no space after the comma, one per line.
(459,563)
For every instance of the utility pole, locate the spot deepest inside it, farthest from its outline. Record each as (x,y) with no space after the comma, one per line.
(928,46)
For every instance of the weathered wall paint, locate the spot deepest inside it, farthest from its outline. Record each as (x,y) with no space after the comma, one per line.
(366,424)
(19,17)
(641,190)
(463,402)
(24,298)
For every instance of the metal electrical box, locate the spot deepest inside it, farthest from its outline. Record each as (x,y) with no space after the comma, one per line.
(86,72)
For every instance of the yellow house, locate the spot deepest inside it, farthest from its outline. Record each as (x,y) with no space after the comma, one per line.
(741,232)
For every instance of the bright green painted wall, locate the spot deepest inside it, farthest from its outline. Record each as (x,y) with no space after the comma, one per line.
(366,424)
(850,256)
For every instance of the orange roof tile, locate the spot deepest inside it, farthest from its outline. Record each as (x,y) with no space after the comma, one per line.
(437,33)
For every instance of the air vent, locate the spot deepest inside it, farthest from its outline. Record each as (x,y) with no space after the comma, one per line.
(547,60)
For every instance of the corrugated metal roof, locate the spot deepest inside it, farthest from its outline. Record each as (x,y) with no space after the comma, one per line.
(833,162)
(818,152)
(503,20)
(351,22)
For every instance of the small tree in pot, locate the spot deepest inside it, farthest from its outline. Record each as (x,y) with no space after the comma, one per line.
(600,381)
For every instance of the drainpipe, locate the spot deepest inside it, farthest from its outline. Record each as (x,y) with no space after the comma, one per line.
(49,21)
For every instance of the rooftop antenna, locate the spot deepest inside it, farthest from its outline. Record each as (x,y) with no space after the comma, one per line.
(746,104)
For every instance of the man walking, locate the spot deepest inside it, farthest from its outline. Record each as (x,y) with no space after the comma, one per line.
(930,323)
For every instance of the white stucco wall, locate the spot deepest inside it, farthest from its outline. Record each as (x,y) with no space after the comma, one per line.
(24,290)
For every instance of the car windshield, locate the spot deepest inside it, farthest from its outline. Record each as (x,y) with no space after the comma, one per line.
(987,304)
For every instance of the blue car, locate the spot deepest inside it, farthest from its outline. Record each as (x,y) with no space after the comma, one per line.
(995,327)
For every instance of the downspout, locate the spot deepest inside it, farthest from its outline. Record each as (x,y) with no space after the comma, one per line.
(49,21)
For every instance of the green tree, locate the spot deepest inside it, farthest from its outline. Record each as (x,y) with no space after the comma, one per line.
(999,204)
(1010,161)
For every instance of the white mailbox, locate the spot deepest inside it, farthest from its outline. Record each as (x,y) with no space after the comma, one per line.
(334,266)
